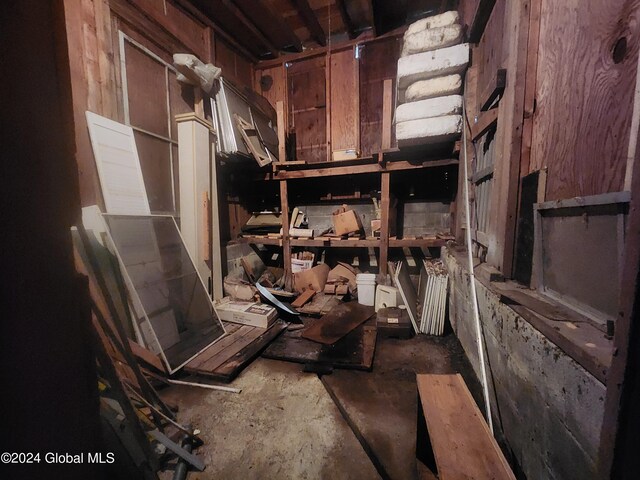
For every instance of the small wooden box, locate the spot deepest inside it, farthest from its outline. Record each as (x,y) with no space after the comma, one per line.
(393,322)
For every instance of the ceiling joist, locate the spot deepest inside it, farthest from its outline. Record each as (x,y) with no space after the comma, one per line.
(346,18)
(252,28)
(271,23)
(311,21)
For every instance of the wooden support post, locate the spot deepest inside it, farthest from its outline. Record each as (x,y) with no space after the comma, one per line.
(385,200)
(384,222)
(387,113)
(504,201)
(327,70)
(282,132)
(286,245)
(198,102)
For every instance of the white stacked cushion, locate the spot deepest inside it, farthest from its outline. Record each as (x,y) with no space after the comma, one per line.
(432,39)
(433,107)
(437,63)
(428,130)
(436,21)
(434,87)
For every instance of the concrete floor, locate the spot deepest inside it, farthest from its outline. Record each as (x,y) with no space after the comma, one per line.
(287,424)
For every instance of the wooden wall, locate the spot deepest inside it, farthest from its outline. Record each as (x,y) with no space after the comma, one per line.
(568,104)
(161,26)
(584,95)
(307,101)
(50,401)
(378,62)
(333,100)
(503,45)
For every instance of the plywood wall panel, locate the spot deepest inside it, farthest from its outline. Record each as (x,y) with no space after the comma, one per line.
(345,116)
(306,89)
(378,62)
(244,71)
(274,88)
(225,59)
(584,98)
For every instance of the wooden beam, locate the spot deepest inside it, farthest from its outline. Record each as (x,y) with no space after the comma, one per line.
(286,239)
(504,201)
(239,14)
(480,19)
(358,169)
(530,86)
(385,202)
(271,23)
(387,113)
(193,10)
(485,121)
(282,132)
(315,52)
(373,17)
(346,18)
(493,90)
(311,21)
(616,455)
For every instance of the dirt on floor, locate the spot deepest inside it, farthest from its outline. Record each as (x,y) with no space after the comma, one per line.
(287,424)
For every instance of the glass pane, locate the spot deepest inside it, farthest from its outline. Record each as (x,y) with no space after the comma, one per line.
(173,298)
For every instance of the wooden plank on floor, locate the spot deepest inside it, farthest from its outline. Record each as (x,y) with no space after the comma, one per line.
(353,351)
(462,443)
(232,367)
(232,335)
(338,322)
(241,346)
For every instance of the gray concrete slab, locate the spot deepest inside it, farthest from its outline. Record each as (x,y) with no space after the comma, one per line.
(382,405)
(283,425)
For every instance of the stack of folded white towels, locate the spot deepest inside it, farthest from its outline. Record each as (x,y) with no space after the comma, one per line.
(430,81)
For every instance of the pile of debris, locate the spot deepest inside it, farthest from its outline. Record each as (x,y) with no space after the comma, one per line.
(429,81)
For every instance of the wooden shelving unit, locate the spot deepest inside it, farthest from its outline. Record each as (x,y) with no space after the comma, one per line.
(338,243)
(257,240)
(384,163)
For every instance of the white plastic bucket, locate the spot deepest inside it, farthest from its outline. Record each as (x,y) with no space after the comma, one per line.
(366,288)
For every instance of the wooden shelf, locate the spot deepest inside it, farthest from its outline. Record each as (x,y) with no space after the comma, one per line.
(337,169)
(337,243)
(257,240)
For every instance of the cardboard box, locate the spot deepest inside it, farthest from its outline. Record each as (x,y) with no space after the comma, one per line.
(343,271)
(245,313)
(314,279)
(300,265)
(346,222)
